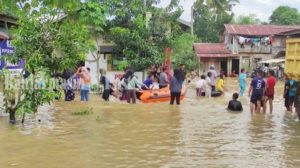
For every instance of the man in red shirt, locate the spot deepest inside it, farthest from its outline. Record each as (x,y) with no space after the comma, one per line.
(271,82)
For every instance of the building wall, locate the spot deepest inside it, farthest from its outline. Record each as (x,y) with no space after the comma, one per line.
(250,56)
(205,64)
(93,66)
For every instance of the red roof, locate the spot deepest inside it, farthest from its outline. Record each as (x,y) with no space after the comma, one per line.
(258,30)
(212,50)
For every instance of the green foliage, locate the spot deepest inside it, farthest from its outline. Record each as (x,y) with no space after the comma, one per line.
(218,6)
(247,19)
(31,92)
(51,36)
(84,112)
(210,19)
(141,37)
(285,15)
(122,65)
(182,52)
(96,88)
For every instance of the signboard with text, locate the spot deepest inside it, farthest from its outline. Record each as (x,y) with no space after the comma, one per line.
(7,49)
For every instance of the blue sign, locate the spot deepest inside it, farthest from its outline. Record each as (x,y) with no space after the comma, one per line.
(7,48)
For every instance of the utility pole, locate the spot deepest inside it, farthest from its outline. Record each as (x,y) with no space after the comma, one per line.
(192,19)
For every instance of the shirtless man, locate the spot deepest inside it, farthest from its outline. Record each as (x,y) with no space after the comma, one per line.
(85,84)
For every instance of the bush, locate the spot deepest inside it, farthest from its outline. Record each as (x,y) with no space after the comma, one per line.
(97,89)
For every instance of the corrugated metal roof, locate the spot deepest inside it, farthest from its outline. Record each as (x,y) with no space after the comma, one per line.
(212,50)
(258,30)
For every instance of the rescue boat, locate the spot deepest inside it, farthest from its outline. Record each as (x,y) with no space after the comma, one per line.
(159,95)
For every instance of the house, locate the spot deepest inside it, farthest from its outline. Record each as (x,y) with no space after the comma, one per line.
(106,57)
(248,44)
(6,22)
(215,54)
(255,43)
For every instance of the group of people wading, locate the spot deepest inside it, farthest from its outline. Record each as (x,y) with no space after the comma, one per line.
(261,90)
(129,84)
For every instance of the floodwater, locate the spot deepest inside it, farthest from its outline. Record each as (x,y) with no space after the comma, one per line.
(199,133)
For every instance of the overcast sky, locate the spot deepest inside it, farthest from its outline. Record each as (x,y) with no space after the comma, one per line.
(262,8)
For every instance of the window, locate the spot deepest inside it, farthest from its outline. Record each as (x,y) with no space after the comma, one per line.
(2,24)
(116,61)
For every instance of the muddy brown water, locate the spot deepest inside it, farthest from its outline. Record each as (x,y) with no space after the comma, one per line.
(199,133)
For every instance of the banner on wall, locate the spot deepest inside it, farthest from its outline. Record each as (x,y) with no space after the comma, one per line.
(7,49)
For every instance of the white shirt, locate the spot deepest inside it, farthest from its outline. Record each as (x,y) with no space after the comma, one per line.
(200,83)
(154,85)
(208,84)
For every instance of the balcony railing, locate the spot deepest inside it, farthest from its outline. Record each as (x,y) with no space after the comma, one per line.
(264,49)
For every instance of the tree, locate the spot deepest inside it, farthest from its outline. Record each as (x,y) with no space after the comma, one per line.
(51,36)
(209,19)
(285,15)
(247,19)
(141,32)
(218,6)
(182,51)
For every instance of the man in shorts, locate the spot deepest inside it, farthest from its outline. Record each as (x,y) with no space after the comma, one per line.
(256,91)
(270,91)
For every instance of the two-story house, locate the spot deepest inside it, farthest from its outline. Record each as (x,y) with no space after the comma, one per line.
(248,45)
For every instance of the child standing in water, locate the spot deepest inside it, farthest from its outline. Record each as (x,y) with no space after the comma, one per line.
(208,86)
(220,85)
(200,86)
(242,81)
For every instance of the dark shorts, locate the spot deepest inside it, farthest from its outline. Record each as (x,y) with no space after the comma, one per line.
(291,100)
(270,97)
(255,98)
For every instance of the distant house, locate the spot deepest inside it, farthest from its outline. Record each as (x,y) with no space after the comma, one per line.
(249,44)
(108,58)
(215,54)
(6,22)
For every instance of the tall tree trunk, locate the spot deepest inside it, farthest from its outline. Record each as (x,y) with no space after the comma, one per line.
(12,116)
(23,118)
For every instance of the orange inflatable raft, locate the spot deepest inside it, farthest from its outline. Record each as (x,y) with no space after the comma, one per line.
(160,95)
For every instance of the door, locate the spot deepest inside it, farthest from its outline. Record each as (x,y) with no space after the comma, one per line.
(235,66)
(224,67)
